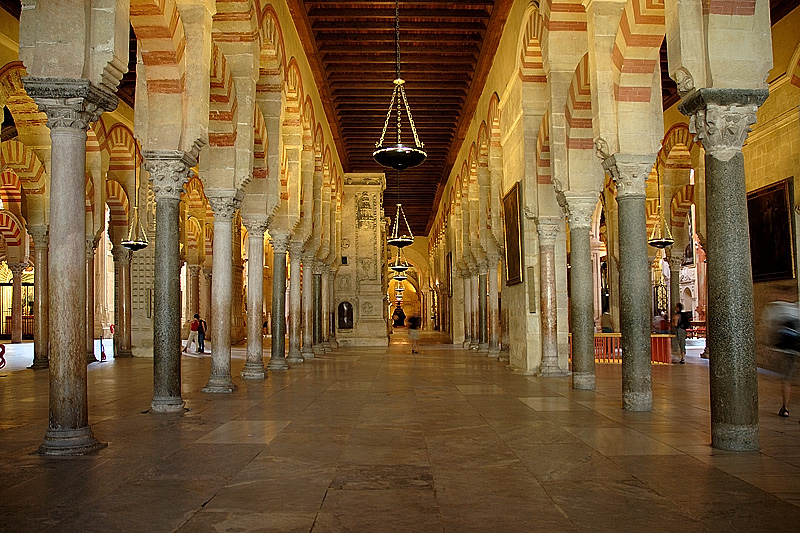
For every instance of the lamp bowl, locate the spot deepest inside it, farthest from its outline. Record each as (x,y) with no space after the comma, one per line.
(400,241)
(400,277)
(134,246)
(661,243)
(399,268)
(399,156)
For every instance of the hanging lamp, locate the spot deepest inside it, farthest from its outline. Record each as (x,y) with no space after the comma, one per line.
(400,236)
(400,264)
(660,237)
(400,277)
(399,156)
(137,238)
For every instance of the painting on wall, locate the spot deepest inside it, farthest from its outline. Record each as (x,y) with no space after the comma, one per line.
(513,235)
(771,228)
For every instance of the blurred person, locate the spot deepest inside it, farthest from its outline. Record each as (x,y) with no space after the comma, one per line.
(193,334)
(413,332)
(782,318)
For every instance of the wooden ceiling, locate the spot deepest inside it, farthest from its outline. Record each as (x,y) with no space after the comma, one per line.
(445,49)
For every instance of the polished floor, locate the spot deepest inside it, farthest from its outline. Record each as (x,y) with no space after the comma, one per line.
(384,440)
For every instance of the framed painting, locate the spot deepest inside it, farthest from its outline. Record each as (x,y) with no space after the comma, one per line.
(769,211)
(513,235)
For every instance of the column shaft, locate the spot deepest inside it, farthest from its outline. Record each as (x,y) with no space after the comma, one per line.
(318,313)
(475,338)
(467,308)
(295,250)
(254,367)
(325,311)
(122,312)
(548,228)
(308,310)
(16,301)
(494,309)
(581,308)
(277,360)
(483,321)
(333,343)
(91,245)
(41,331)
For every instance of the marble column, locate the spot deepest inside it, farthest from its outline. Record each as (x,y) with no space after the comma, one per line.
(675,261)
(307,350)
(295,251)
(493,307)
(168,170)
(465,276)
(280,244)
(194,290)
(332,310)
(721,118)
(122,312)
(224,203)
(581,295)
(70,105)
(205,298)
(483,323)
(41,331)
(318,348)
(16,301)
(91,246)
(630,173)
(254,366)
(547,228)
(474,308)
(325,308)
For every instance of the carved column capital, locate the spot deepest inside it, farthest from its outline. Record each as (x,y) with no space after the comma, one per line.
(169,171)
(40,235)
(256,224)
(548,228)
(675,262)
(721,118)
(121,255)
(194,270)
(17,268)
(69,103)
(630,172)
(279,241)
(295,250)
(483,268)
(581,206)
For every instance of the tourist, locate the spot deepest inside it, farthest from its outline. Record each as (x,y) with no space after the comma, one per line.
(782,318)
(680,322)
(202,327)
(193,334)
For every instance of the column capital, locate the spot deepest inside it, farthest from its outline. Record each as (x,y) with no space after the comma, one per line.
(207,272)
(121,254)
(169,170)
(675,262)
(39,233)
(295,250)
(17,268)
(483,268)
(256,224)
(581,206)
(194,270)
(69,103)
(548,228)
(224,202)
(630,172)
(721,118)
(279,241)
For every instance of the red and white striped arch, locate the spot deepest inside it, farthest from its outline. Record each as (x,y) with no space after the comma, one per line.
(544,174)
(194,233)
(195,194)
(681,205)
(636,50)
(676,147)
(564,15)
(235,22)
(29,169)
(89,193)
(578,110)
(270,37)
(123,151)
(11,191)
(31,123)
(117,201)
(651,210)
(160,37)
(531,62)
(11,229)
(319,138)
(208,237)
(222,102)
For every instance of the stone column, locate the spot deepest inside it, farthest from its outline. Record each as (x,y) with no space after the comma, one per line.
(325,305)
(122,312)
(721,118)
(254,367)
(295,251)
(475,340)
(674,280)
(548,232)
(630,173)
(581,295)
(70,105)
(465,276)
(318,348)
(16,301)
(41,331)
(307,350)
(332,310)
(194,290)
(224,202)
(91,246)
(493,307)
(205,298)
(280,244)
(483,323)
(168,172)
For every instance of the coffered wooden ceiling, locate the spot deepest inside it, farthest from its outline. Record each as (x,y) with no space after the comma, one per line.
(446,50)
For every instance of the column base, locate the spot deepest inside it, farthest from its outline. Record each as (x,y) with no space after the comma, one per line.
(169,404)
(334,344)
(277,363)
(326,345)
(219,385)
(473,346)
(90,358)
(319,349)
(70,442)
(123,354)
(735,437)
(254,371)
(637,401)
(483,347)
(307,353)
(39,364)
(294,358)
(583,380)
(549,371)
(466,344)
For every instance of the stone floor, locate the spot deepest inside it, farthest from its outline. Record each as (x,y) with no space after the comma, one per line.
(382,440)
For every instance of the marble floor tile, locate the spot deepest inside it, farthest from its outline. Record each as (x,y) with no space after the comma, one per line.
(245,432)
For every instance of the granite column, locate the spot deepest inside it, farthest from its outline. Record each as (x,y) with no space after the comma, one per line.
(307,350)
(474,283)
(721,118)
(318,348)
(254,366)
(122,312)
(194,290)
(280,244)
(41,331)
(295,251)
(91,246)
(205,299)
(70,105)
(547,228)
(465,276)
(483,322)
(325,308)
(332,309)
(16,300)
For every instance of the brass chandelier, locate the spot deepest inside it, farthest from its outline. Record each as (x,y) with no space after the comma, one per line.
(661,236)
(137,238)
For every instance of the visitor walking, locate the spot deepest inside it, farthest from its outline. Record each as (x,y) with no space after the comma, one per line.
(680,321)
(413,332)
(202,327)
(193,334)
(782,318)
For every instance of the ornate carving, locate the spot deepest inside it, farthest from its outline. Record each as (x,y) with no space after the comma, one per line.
(548,230)
(169,171)
(345,243)
(364,180)
(367,308)
(630,172)
(344,282)
(601,149)
(295,250)
(580,208)
(121,255)
(684,80)
(366,268)
(91,246)
(39,234)
(365,215)
(69,103)
(279,241)
(224,206)
(256,226)
(17,268)
(194,271)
